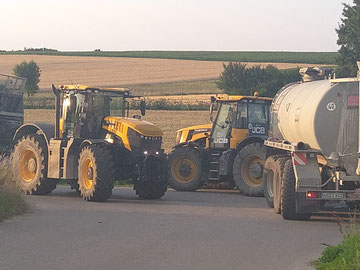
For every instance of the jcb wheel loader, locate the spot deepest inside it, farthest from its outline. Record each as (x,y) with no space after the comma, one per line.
(230,150)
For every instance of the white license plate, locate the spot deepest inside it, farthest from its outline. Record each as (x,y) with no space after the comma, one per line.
(332,195)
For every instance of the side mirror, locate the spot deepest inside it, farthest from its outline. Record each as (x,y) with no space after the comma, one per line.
(142,107)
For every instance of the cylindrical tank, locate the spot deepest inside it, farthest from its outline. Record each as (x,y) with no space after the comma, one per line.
(323,114)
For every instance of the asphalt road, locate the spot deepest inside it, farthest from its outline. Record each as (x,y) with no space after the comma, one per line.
(195,230)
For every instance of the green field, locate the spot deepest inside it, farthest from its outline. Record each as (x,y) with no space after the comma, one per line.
(234,56)
(175,88)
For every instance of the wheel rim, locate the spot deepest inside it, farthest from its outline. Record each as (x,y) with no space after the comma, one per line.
(28,165)
(88,173)
(251,171)
(184,170)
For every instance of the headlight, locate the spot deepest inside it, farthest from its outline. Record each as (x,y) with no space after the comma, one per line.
(178,137)
(109,138)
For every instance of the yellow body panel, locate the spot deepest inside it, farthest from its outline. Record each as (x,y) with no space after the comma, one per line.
(120,126)
(238,135)
(199,132)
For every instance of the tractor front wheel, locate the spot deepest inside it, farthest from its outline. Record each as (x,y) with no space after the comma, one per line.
(185,169)
(96,173)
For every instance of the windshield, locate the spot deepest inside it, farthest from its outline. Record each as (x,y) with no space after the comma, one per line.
(117,106)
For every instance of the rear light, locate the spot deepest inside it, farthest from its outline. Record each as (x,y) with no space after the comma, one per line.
(312,195)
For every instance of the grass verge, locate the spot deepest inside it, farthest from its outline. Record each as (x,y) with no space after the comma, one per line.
(11,199)
(346,255)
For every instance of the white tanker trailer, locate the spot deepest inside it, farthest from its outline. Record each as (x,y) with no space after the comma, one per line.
(313,149)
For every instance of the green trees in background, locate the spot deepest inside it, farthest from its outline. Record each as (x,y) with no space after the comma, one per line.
(349,41)
(238,79)
(31,72)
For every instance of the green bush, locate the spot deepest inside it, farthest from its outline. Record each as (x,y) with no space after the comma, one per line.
(345,256)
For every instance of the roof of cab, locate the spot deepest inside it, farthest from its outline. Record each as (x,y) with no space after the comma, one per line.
(239,98)
(86,87)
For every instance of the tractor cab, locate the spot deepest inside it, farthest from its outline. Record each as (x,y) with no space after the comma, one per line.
(237,118)
(81,110)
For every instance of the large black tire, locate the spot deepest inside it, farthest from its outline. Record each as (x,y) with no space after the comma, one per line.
(185,169)
(150,190)
(248,169)
(273,169)
(288,195)
(29,162)
(281,161)
(96,173)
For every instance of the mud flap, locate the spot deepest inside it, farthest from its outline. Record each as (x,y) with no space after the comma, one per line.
(306,206)
(306,169)
(226,162)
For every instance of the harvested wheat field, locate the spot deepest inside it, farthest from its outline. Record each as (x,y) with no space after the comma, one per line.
(167,121)
(118,71)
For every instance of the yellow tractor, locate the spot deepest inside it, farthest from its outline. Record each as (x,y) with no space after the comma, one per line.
(230,150)
(94,142)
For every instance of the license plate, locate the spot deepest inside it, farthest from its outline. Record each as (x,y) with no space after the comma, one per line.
(332,195)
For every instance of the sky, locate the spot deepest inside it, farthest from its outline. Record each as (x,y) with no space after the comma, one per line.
(199,25)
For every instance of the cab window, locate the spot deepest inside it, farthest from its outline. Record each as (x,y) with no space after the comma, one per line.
(258,113)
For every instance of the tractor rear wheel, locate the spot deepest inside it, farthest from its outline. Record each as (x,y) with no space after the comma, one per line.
(96,173)
(185,169)
(29,162)
(248,169)
(288,195)
(273,170)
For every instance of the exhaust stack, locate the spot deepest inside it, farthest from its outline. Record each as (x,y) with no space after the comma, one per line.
(358,167)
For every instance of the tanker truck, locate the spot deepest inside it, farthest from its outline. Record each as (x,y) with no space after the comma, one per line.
(312,154)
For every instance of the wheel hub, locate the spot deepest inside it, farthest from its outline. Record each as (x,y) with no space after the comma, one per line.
(184,170)
(255,170)
(90,173)
(32,165)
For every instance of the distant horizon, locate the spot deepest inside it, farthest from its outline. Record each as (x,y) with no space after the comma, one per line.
(39,49)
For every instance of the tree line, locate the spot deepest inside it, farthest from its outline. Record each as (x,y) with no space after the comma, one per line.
(238,78)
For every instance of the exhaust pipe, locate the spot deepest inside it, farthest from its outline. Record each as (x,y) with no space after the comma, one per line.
(57,111)
(358,167)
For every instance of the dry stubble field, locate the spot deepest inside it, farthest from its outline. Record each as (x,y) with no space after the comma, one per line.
(119,71)
(168,121)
